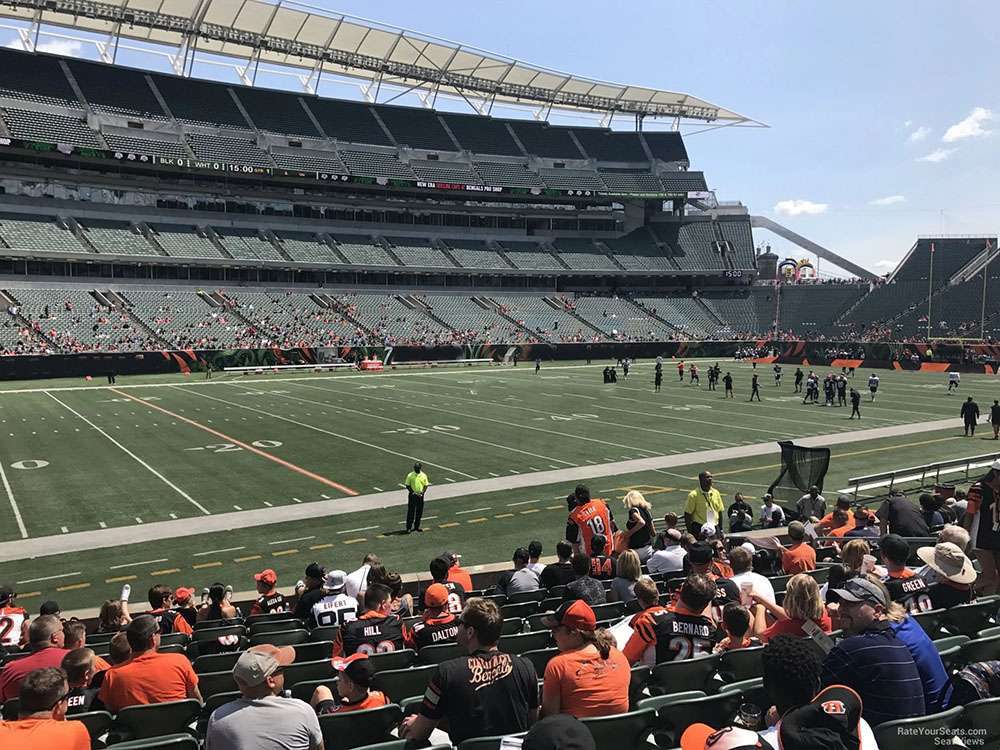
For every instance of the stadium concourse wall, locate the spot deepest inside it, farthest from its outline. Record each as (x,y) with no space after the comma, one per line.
(882,355)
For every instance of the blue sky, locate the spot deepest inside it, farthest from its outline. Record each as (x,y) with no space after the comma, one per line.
(884,116)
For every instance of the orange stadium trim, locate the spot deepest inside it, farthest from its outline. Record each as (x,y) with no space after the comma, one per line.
(245,446)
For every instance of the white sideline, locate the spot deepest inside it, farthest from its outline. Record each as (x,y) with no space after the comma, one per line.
(13,503)
(151,470)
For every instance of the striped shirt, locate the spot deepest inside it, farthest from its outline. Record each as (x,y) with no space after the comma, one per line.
(880,668)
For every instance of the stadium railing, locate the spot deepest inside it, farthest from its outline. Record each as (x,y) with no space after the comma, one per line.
(921,474)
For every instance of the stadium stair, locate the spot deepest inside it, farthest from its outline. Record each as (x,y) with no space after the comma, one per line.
(711,313)
(653,315)
(556,303)
(447,252)
(329,242)
(611,255)
(387,246)
(118,301)
(498,249)
(10,300)
(492,305)
(209,234)
(325,300)
(419,305)
(74,226)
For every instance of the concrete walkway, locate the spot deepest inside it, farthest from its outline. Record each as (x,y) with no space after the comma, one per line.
(124,535)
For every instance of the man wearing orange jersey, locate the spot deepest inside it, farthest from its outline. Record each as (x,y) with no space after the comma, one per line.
(589,518)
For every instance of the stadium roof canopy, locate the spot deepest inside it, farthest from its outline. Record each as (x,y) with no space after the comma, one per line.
(307,38)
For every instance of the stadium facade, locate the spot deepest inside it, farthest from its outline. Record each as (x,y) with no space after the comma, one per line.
(147,212)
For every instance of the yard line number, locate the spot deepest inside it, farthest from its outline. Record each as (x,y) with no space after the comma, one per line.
(232,448)
(422,430)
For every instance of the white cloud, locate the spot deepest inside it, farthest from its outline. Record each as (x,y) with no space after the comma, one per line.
(797,207)
(970,127)
(908,124)
(919,134)
(885,265)
(887,200)
(65,47)
(938,156)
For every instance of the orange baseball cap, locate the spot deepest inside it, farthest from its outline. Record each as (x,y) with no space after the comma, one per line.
(436,595)
(182,594)
(267,576)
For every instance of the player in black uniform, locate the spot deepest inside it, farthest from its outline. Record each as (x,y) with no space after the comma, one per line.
(754,387)
(626,363)
(376,630)
(657,379)
(798,380)
(855,404)
(777,375)
(841,391)
(728,382)
(970,414)
(538,364)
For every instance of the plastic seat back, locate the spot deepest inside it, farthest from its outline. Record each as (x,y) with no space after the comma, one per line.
(354,729)
(400,684)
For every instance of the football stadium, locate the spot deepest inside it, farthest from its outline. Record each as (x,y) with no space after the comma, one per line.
(460,411)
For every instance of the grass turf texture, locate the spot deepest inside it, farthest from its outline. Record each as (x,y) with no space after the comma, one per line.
(247,442)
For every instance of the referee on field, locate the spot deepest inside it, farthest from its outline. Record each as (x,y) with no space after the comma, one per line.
(416,485)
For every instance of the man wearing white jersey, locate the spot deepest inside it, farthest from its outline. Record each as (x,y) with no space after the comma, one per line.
(873,385)
(337,607)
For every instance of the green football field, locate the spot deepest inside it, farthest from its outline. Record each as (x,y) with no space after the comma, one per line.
(81,457)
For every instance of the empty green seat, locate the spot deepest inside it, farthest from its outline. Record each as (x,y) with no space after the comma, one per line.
(155,720)
(400,684)
(440,652)
(521,642)
(916,733)
(622,730)
(280,637)
(354,729)
(170,742)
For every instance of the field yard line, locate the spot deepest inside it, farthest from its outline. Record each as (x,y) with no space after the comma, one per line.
(50,578)
(13,503)
(245,446)
(539,411)
(328,432)
(411,424)
(222,381)
(132,565)
(152,471)
(481,418)
(657,414)
(77,541)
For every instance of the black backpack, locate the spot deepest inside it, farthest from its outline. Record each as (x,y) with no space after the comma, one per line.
(972,683)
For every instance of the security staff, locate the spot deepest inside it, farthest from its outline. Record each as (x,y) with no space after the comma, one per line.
(416,485)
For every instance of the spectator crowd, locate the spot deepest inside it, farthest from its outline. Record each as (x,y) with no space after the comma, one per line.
(832,630)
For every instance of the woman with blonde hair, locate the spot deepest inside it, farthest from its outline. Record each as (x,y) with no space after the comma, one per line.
(802,604)
(589,676)
(853,554)
(627,572)
(639,530)
(114,616)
